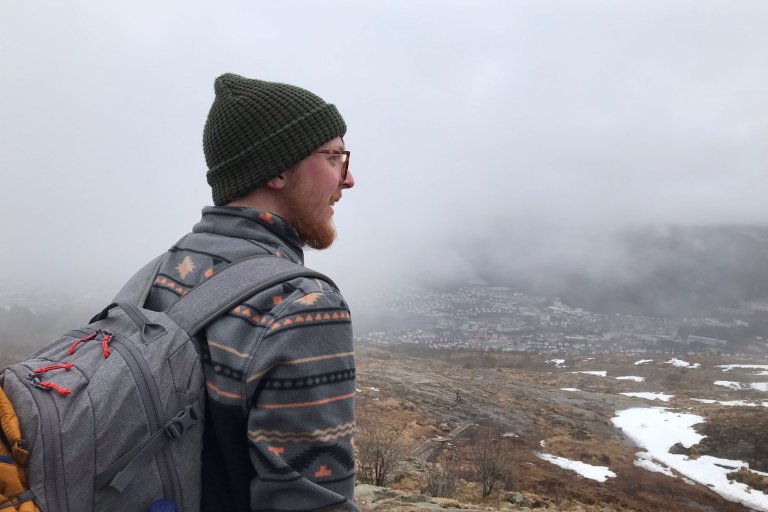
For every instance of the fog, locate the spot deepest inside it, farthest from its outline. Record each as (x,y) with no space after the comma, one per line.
(530,131)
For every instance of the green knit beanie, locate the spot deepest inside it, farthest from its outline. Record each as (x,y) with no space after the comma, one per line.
(257,130)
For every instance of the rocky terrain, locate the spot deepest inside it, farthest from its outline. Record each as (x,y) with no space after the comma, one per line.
(439,404)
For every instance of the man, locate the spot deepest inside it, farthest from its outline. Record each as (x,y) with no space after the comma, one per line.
(279,368)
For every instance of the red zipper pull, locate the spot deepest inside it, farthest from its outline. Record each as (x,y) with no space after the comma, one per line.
(104,348)
(67,366)
(50,385)
(81,340)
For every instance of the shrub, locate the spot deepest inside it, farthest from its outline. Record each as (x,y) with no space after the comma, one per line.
(491,458)
(379,451)
(442,480)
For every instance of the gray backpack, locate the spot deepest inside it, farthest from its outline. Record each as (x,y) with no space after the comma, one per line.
(110,413)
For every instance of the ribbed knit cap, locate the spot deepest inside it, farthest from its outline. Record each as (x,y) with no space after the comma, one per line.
(257,130)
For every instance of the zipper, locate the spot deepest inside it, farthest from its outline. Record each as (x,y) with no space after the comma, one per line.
(84,339)
(150,395)
(55,497)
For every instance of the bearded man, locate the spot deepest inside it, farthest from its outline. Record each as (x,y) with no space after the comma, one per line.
(279,368)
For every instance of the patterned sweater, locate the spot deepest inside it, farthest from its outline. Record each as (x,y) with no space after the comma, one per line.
(279,371)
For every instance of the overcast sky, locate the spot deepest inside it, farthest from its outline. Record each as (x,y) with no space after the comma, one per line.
(464,117)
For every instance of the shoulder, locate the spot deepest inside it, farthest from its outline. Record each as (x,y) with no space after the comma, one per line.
(293,302)
(303,292)
(304,301)
(308,324)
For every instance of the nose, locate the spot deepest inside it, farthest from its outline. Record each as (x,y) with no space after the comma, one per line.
(349,180)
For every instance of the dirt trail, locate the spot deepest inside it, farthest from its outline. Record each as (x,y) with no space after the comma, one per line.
(426,450)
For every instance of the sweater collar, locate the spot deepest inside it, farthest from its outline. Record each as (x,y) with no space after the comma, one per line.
(255,225)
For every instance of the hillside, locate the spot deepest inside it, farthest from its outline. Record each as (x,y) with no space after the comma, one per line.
(438,406)
(671,271)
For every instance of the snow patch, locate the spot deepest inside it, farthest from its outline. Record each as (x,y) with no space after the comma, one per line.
(631,377)
(729,367)
(743,386)
(643,361)
(599,373)
(570,389)
(645,461)
(679,363)
(559,363)
(727,403)
(598,473)
(650,396)
(657,429)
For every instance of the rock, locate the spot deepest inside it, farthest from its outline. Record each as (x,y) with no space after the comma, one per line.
(447,502)
(740,450)
(520,501)
(561,421)
(580,434)
(385,494)
(414,498)
(679,449)
(365,493)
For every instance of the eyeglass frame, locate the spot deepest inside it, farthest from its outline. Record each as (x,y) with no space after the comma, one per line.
(345,166)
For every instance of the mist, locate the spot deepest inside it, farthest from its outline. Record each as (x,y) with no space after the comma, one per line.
(487,138)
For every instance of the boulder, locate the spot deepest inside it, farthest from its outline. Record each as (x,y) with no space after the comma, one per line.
(520,501)
(679,449)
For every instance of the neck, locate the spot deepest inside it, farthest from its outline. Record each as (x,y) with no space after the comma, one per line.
(261,199)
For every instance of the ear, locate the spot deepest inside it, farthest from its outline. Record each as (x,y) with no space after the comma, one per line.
(277,183)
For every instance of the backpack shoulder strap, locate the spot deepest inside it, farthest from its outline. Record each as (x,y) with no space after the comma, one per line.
(137,289)
(232,285)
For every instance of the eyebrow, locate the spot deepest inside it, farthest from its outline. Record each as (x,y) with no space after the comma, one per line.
(337,148)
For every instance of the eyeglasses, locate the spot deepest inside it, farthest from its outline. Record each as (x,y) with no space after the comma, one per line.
(343,159)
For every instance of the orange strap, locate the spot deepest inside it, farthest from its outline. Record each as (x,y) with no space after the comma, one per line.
(13,479)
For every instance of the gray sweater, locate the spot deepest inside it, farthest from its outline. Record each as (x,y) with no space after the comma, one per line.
(279,371)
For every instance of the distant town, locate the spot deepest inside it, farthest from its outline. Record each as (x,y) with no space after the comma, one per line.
(492,318)
(476,316)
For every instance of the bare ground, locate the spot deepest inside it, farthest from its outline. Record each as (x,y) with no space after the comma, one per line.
(447,397)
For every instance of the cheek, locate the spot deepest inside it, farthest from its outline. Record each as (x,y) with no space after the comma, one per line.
(326,193)
(316,194)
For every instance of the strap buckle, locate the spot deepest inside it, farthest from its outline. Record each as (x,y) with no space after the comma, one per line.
(18,499)
(183,421)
